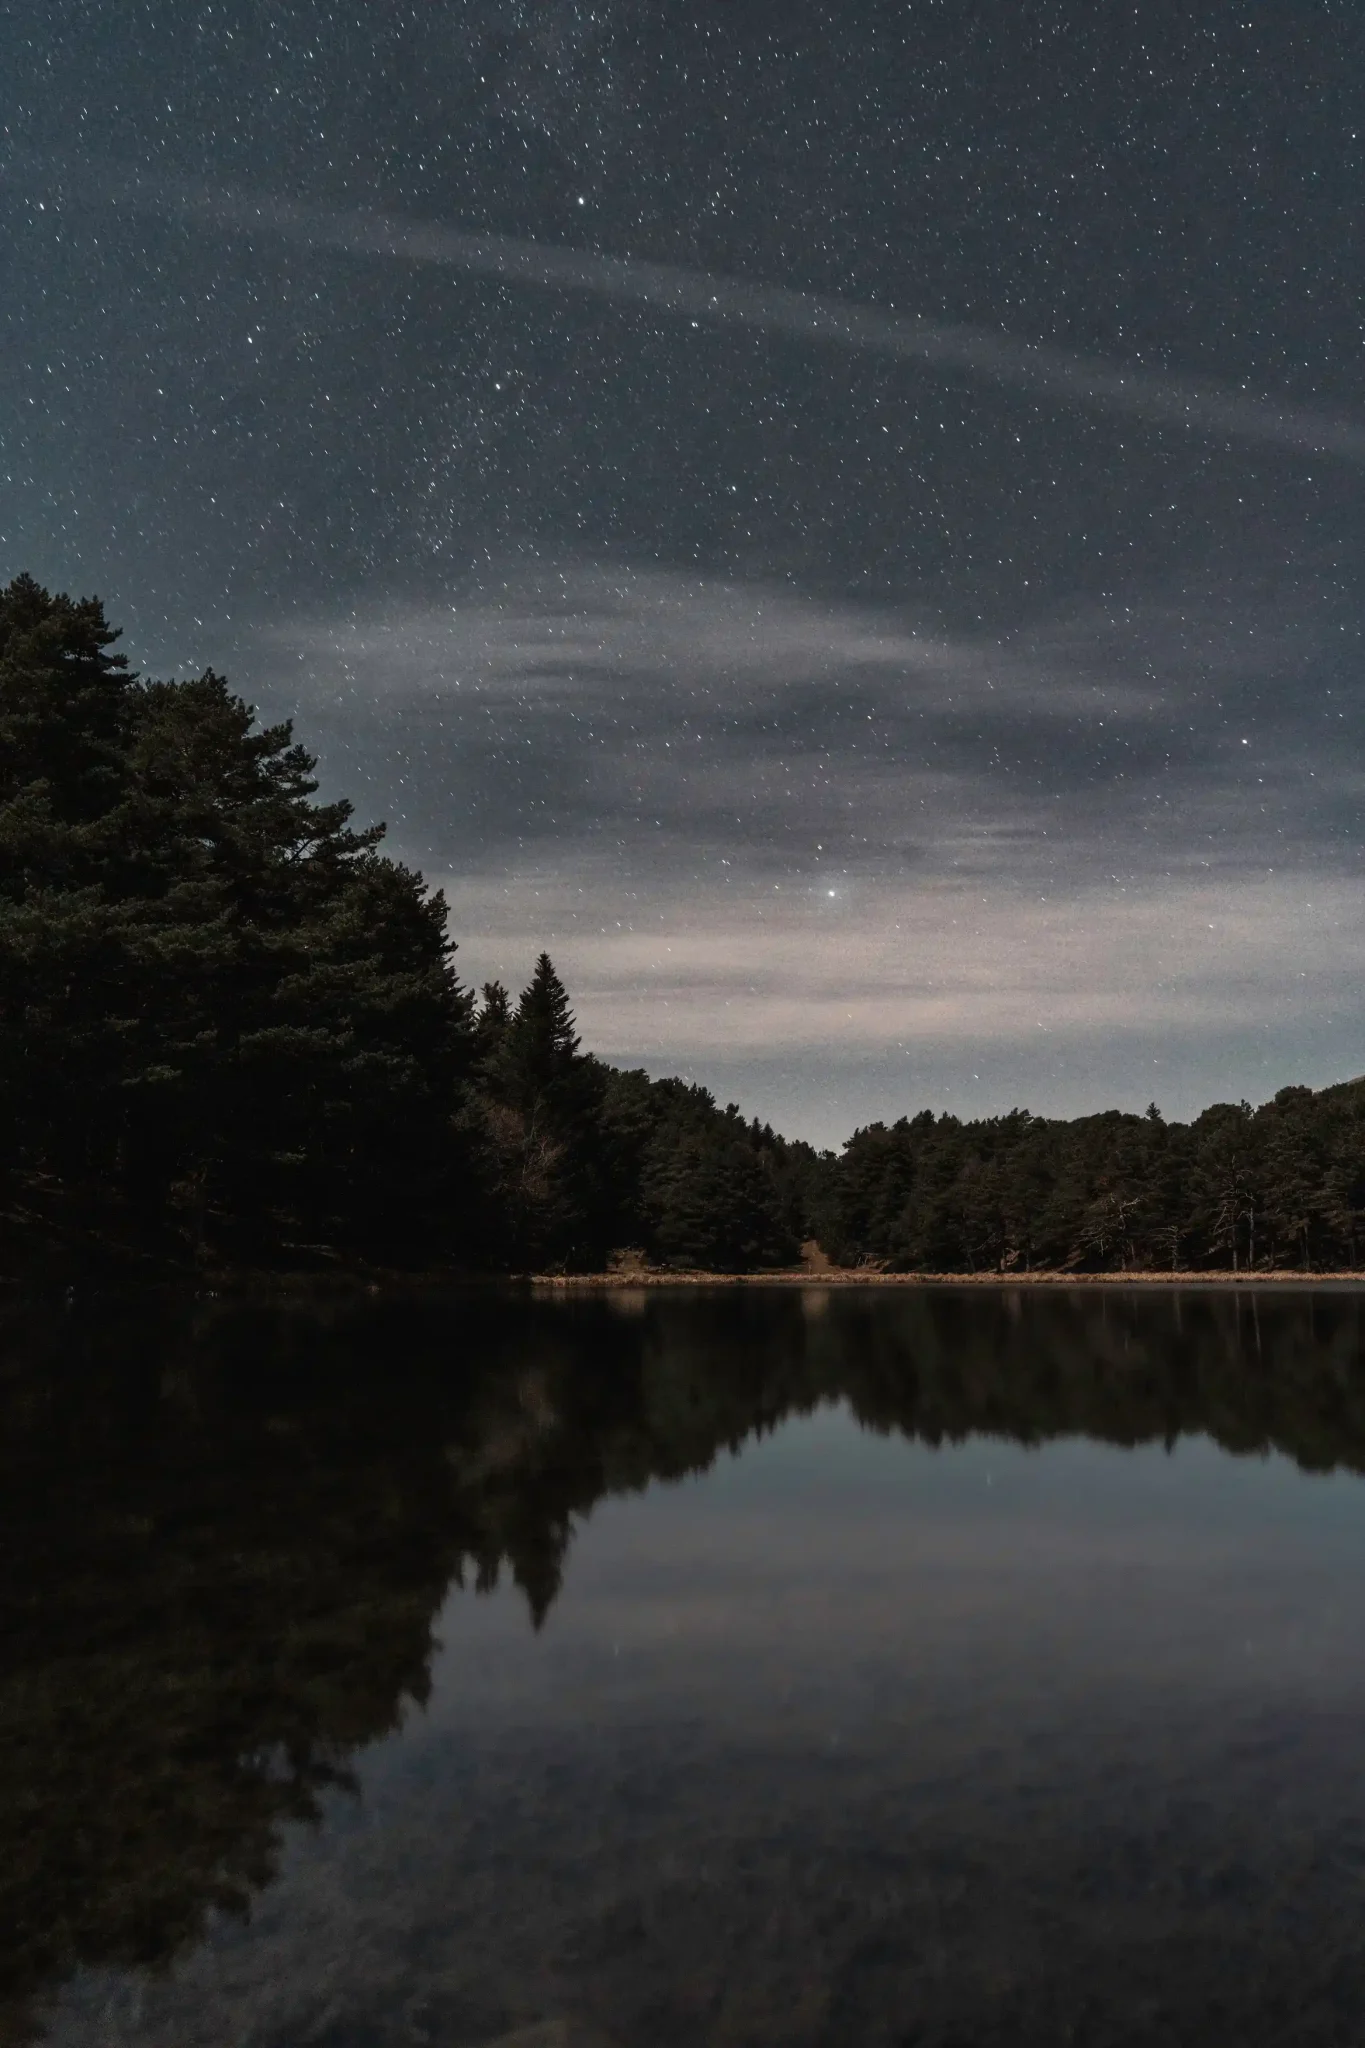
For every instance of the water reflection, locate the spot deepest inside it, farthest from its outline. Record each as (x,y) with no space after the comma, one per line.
(863,1740)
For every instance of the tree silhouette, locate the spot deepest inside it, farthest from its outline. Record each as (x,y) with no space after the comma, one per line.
(231,1033)
(223,1013)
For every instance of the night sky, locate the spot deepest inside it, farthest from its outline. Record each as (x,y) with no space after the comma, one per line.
(905,651)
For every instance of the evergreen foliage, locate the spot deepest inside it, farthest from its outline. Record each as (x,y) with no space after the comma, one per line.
(539,1099)
(1280,1187)
(224,1015)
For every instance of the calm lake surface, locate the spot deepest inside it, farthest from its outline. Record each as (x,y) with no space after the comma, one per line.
(945,1667)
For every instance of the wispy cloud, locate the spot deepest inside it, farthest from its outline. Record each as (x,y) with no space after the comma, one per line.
(681,717)
(588,631)
(568,626)
(764,831)
(1199,406)
(869,965)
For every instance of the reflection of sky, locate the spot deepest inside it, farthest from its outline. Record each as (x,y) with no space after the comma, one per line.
(841,1677)
(645,636)
(824,1547)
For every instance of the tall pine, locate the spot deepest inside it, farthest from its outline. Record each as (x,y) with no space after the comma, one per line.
(542,1110)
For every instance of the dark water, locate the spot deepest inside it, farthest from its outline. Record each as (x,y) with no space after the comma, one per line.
(949,1667)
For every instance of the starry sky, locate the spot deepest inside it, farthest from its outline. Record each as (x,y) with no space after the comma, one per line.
(843,522)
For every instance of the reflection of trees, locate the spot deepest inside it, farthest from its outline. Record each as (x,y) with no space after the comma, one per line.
(1256,1371)
(227,1530)
(217,1583)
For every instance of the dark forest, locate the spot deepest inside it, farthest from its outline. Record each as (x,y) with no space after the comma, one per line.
(233,1036)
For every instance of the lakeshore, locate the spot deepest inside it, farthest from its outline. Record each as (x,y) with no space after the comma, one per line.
(851,1278)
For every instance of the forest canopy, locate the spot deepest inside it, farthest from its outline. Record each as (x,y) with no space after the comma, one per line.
(232,1033)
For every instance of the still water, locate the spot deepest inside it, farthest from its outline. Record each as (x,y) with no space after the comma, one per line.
(945,1667)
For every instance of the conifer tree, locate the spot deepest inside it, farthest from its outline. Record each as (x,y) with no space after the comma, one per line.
(718,1209)
(540,1057)
(63,708)
(224,1015)
(544,1096)
(490,1026)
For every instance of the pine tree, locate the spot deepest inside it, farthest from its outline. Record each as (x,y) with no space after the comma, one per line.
(224,1016)
(718,1209)
(541,1115)
(490,1026)
(64,703)
(539,1060)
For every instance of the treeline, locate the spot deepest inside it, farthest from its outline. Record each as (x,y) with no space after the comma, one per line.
(1241,1190)
(231,1029)
(232,1032)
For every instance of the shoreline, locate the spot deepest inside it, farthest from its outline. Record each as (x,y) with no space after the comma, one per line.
(854,1277)
(341,1283)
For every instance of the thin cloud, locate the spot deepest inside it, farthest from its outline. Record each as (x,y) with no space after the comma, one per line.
(566,701)
(878,967)
(580,632)
(1199,406)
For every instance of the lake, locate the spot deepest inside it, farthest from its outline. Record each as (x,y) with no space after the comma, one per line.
(937,1666)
